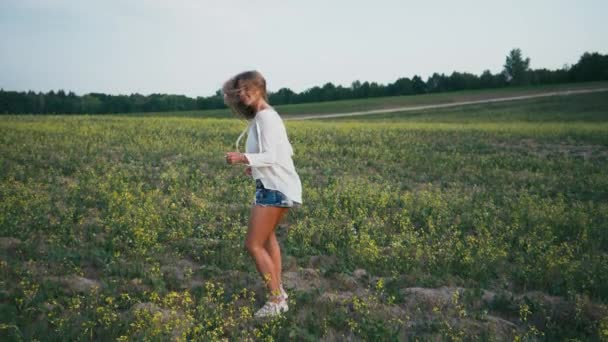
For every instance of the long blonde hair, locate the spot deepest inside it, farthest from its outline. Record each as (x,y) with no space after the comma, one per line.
(248,81)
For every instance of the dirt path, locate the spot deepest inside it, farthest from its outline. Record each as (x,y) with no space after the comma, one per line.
(443,105)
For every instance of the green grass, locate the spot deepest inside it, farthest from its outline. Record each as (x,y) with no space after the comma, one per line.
(505,197)
(583,108)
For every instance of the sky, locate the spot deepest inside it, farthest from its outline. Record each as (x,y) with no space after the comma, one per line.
(191,47)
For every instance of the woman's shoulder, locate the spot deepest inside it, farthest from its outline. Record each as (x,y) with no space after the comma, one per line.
(268,111)
(268,115)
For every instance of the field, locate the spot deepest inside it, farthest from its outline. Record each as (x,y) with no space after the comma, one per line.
(482,222)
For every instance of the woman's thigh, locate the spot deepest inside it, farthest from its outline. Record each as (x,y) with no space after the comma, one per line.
(262,223)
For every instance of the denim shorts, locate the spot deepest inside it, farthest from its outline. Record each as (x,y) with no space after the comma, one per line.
(269,197)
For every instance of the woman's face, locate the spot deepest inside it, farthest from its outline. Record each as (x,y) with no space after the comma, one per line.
(247,96)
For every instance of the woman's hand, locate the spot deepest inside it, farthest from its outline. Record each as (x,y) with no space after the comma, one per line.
(235,157)
(248,171)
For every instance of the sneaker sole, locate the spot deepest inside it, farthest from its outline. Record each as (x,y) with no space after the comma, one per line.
(282,310)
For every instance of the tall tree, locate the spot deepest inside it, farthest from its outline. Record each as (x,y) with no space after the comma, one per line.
(516,67)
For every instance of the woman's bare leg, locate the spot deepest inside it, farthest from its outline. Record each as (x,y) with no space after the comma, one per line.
(261,224)
(273,249)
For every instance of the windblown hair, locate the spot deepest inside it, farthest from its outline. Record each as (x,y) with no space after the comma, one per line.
(248,81)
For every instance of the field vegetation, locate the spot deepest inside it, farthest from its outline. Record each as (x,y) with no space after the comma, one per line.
(481,222)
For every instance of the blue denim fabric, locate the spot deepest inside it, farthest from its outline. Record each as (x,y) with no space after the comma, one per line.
(268,197)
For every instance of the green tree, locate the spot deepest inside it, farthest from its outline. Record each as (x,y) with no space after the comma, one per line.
(418,85)
(516,67)
(328,92)
(590,67)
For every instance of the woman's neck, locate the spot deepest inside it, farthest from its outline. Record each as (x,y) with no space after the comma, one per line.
(261,105)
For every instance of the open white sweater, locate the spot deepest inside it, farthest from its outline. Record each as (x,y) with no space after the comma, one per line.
(269,152)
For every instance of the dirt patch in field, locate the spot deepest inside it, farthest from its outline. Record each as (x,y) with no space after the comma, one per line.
(171,159)
(9,243)
(180,273)
(76,284)
(67,181)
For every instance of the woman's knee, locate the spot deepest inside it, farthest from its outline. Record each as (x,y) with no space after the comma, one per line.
(252,247)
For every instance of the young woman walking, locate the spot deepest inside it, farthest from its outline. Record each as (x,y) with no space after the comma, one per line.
(268,158)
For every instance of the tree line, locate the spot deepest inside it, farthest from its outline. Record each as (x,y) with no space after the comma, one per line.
(516,71)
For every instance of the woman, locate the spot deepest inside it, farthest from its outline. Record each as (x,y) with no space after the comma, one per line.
(278,188)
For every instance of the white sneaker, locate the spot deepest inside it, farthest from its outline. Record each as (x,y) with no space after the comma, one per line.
(272,309)
(283,293)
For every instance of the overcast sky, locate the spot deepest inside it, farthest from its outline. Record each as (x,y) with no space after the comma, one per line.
(191,46)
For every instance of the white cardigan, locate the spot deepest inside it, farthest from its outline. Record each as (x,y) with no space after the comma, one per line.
(270,155)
